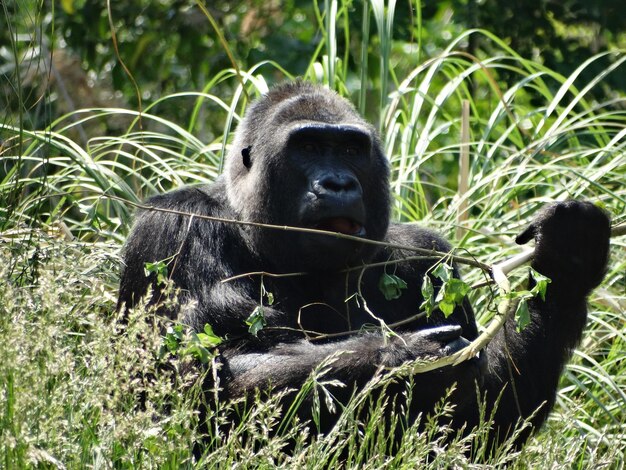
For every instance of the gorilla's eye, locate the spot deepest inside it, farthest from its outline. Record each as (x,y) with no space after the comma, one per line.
(352,151)
(308,147)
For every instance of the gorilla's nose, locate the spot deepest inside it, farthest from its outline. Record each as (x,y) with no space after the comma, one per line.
(338,185)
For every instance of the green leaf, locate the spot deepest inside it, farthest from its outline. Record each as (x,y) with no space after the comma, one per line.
(446,307)
(209,339)
(456,290)
(265,293)
(391,286)
(256,321)
(196,345)
(541,285)
(443,271)
(451,294)
(522,315)
(197,350)
(202,354)
(428,294)
(172,341)
(159,268)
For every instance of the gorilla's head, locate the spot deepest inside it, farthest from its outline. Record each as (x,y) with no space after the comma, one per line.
(304,157)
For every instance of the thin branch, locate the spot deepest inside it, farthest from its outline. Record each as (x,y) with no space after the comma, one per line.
(618,230)
(346,270)
(261,273)
(288,228)
(122,63)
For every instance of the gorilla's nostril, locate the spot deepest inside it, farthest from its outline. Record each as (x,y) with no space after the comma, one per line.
(337,183)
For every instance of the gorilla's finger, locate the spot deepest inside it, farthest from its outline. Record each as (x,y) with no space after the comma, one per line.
(527,235)
(454,346)
(441,333)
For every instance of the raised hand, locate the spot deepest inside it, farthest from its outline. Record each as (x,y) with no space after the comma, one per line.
(572,248)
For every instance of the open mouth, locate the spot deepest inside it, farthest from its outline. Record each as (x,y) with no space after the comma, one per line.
(341,225)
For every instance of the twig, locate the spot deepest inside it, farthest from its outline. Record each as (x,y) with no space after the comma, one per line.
(346,270)
(618,230)
(288,228)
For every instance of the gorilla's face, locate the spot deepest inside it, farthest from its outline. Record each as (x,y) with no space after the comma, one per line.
(330,160)
(312,163)
(327,165)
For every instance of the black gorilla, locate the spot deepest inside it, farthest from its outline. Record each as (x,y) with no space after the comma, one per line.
(304,157)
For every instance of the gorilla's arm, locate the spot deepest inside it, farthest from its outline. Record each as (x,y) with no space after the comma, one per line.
(572,242)
(353,362)
(197,254)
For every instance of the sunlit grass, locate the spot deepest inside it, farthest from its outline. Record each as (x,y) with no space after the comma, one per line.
(81,386)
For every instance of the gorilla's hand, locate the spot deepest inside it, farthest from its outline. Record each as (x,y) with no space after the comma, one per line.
(432,342)
(572,245)
(435,343)
(439,341)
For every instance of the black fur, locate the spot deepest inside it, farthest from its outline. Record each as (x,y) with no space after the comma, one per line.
(304,157)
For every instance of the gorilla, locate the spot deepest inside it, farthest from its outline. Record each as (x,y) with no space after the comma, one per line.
(303,157)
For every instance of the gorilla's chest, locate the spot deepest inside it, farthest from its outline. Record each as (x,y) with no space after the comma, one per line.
(338,303)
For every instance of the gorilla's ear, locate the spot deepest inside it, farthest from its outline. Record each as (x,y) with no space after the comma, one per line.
(247,159)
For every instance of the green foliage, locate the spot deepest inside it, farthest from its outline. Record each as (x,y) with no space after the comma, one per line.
(180,342)
(266,295)
(391,286)
(81,385)
(522,314)
(159,268)
(443,271)
(428,294)
(561,35)
(174,337)
(256,321)
(451,293)
(209,339)
(541,284)
(199,347)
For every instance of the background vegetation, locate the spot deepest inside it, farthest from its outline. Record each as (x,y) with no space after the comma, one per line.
(105,104)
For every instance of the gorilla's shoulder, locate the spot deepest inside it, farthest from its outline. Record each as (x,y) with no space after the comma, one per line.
(416,236)
(208,199)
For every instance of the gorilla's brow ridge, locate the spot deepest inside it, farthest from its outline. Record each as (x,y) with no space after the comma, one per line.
(310,107)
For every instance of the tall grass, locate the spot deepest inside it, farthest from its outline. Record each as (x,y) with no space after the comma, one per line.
(71,371)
